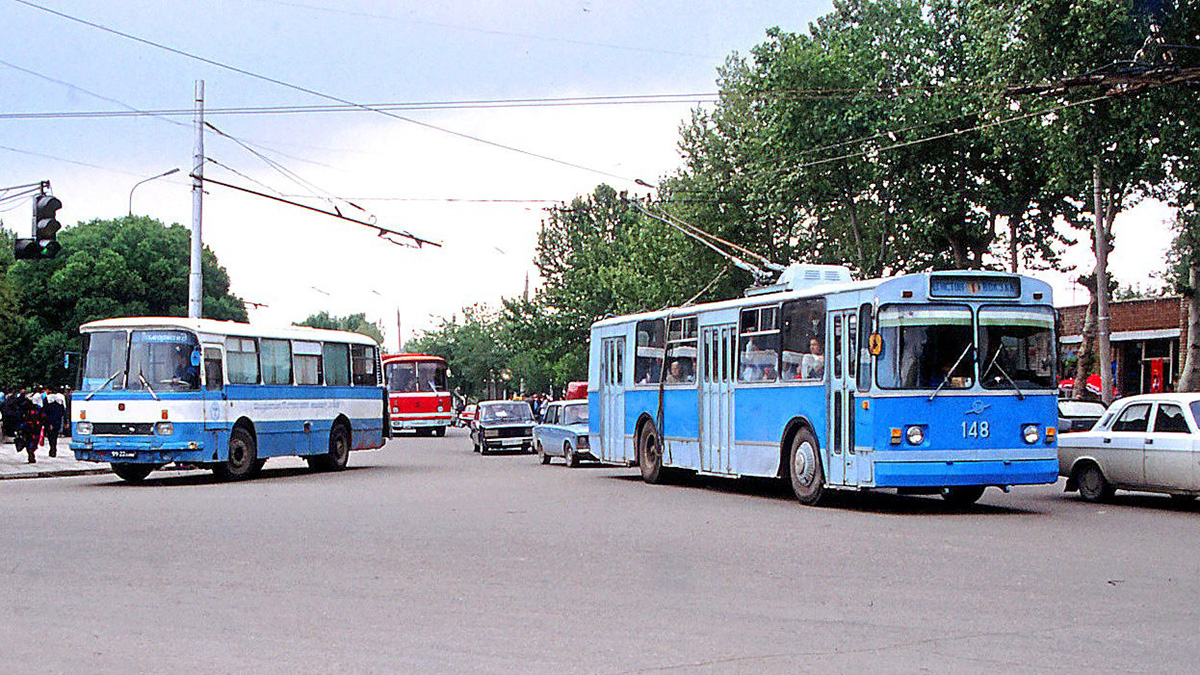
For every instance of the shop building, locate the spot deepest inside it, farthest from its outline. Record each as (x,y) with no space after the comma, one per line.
(1147,342)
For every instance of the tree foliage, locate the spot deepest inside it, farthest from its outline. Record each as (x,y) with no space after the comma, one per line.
(356,323)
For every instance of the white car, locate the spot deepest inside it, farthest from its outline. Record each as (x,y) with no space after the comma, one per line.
(1149,443)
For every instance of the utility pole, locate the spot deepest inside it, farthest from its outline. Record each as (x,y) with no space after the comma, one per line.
(195,276)
(1102,323)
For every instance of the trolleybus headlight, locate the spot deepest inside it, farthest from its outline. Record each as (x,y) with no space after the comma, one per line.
(915,435)
(164,428)
(1030,433)
(83,428)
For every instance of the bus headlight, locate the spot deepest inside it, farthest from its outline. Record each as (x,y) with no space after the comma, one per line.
(1030,433)
(915,435)
(83,428)
(164,429)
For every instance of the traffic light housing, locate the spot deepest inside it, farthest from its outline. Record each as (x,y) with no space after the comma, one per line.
(44,243)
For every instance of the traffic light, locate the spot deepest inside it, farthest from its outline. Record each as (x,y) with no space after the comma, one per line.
(44,243)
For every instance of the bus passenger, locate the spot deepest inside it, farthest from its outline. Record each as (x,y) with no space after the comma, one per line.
(675,373)
(812,366)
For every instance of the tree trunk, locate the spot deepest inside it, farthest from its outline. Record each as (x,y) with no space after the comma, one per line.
(1189,376)
(1083,355)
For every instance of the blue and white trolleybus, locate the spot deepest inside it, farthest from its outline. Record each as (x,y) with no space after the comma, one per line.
(934,382)
(223,395)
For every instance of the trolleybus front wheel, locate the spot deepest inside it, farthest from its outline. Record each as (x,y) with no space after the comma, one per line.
(963,495)
(132,473)
(804,469)
(243,456)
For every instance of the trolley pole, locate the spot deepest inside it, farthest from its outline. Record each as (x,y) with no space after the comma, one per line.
(195,276)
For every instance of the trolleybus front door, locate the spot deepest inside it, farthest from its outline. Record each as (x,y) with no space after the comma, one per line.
(719,370)
(843,460)
(612,400)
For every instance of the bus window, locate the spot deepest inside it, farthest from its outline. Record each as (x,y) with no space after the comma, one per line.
(837,346)
(681,351)
(163,359)
(802,339)
(852,352)
(402,377)
(647,362)
(336,358)
(922,344)
(864,354)
(758,352)
(306,361)
(103,360)
(431,376)
(362,361)
(241,355)
(214,377)
(1016,345)
(276,361)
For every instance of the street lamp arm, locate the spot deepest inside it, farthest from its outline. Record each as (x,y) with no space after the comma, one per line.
(147,180)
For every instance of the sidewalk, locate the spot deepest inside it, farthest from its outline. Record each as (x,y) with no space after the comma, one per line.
(13,465)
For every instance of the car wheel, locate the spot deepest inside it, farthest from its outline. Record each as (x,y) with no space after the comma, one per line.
(1093,486)
(570,456)
(1182,500)
(962,495)
(804,469)
(541,453)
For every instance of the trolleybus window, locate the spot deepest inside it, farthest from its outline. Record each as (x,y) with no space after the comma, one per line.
(362,361)
(864,353)
(276,361)
(306,358)
(926,347)
(163,359)
(647,362)
(337,364)
(759,345)
(104,360)
(803,339)
(681,351)
(1016,345)
(241,356)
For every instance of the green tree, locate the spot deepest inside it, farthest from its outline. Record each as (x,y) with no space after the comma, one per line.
(356,323)
(131,266)
(474,350)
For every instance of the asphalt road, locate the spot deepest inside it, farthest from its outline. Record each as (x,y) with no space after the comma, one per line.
(426,557)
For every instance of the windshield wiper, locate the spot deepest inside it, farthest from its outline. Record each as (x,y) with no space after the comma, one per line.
(953,368)
(1020,395)
(110,379)
(147,386)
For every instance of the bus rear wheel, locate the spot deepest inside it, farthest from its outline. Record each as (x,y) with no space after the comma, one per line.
(339,452)
(650,455)
(963,495)
(132,473)
(804,469)
(243,457)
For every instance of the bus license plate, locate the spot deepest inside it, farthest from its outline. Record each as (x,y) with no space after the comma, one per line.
(124,454)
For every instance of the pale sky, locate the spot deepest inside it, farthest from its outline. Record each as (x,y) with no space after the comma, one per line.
(483,203)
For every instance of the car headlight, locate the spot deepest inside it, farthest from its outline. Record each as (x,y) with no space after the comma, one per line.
(1030,433)
(915,435)
(491,433)
(164,429)
(581,442)
(83,428)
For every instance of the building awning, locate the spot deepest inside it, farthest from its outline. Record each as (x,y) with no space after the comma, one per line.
(1127,336)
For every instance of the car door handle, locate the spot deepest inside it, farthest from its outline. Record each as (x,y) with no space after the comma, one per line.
(1108,440)
(1149,441)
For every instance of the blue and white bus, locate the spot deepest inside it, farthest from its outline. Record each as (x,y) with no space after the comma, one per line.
(935,382)
(223,395)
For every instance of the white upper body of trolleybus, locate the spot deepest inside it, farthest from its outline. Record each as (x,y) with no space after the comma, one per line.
(223,395)
(932,382)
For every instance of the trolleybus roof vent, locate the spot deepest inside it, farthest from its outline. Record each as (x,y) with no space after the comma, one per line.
(804,275)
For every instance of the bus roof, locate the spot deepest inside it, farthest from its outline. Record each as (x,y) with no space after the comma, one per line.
(234,328)
(393,358)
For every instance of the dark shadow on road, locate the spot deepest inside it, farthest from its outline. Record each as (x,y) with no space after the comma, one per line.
(186,477)
(869,501)
(1144,500)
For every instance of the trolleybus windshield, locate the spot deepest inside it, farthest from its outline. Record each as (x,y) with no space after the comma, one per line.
(926,347)
(1016,345)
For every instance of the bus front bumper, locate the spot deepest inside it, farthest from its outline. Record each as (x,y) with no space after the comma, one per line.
(895,474)
(137,451)
(424,423)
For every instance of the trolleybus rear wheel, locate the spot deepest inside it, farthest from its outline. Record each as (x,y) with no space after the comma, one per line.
(132,473)
(804,469)
(650,455)
(1093,486)
(962,495)
(339,451)
(243,455)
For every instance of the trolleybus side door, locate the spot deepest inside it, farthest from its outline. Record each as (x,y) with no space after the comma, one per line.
(718,351)
(612,400)
(842,464)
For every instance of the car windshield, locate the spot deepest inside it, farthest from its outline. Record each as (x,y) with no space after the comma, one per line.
(517,411)
(926,347)
(163,360)
(1080,409)
(575,414)
(1017,347)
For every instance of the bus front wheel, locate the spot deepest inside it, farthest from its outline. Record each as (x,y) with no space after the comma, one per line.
(243,457)
(339,452)
(804,469)
(132,473)
(650,455)
(962,495)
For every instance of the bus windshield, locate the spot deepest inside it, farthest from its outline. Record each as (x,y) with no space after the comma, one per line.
(1017,347)
(416,376)
(926,347)
(141,360)
(103,360)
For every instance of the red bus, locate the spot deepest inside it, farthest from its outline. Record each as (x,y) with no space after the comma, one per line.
(418,396)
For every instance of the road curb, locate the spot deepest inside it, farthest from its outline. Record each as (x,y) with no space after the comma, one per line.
(56,473)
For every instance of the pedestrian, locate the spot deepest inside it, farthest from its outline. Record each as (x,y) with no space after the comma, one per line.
(29,426)
(8,409)
(54,410)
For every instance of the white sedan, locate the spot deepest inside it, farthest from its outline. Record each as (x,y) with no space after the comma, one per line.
(1149,442)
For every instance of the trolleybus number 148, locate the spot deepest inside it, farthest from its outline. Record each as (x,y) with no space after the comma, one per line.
(975,429)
